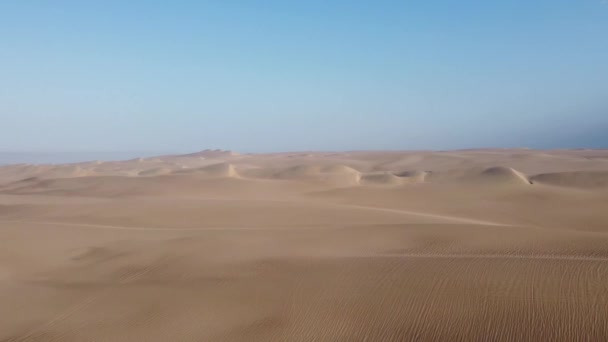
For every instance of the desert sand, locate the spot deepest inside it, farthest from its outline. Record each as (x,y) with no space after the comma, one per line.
(471,245)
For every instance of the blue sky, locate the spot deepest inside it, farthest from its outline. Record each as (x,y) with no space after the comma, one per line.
(257,76)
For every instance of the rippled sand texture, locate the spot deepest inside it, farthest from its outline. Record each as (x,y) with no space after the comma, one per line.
(481,245)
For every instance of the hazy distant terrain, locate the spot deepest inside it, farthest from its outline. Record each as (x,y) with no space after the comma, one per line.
(7,158)
(471,245)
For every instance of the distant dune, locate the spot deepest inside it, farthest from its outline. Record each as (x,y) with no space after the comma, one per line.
(156,171)
(336,174)
(503,175)
(382,178)
(212,154)
(299,171)
(579,179)
(488,176)
(214,170)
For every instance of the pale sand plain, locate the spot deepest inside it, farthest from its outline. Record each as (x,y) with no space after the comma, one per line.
(474,245)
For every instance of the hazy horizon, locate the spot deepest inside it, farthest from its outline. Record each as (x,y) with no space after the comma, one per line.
(63,157)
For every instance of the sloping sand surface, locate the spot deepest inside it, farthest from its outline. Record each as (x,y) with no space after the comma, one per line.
(580,179)
(476,245)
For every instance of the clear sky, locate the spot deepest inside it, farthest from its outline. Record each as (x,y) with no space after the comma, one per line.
(276,75)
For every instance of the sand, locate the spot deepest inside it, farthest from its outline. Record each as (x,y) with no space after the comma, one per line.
(475,245)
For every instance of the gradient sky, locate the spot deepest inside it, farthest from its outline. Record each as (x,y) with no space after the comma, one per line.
(276,75)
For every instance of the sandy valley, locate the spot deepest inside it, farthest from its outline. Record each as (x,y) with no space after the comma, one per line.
(473,245)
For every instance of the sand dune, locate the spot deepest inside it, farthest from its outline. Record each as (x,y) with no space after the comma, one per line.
(503,175)
(353,246)
(338,169)
(580,179)
(490,176)
(157,171)
(299,171)
(336,175)
(382,178)
(214,170)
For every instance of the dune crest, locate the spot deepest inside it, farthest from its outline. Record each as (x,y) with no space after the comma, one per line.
(503,175)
